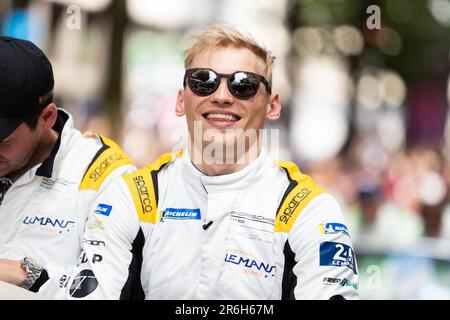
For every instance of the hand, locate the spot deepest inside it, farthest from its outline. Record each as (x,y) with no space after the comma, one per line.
(11,271)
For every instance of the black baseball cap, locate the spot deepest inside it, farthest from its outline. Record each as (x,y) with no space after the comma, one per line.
(26,77)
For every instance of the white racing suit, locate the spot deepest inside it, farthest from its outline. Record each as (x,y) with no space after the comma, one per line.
(264,232)
(43,214)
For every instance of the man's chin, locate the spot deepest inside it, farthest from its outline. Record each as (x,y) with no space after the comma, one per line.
(4,173)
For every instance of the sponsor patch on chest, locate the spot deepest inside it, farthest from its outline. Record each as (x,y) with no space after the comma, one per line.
(51,225)
(254,227)
(180,214)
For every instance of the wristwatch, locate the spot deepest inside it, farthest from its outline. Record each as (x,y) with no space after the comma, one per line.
(33,270)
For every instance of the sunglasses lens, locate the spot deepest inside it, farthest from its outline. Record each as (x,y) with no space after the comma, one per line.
(203,82)
(244,85)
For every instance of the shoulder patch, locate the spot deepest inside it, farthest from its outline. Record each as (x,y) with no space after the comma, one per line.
(143,185)
(301,190)
(107,159)
(142,189)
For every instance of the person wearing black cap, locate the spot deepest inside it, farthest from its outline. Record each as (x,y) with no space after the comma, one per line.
(50,173)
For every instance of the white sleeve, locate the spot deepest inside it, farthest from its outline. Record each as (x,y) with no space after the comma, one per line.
(109,264)
(325,263)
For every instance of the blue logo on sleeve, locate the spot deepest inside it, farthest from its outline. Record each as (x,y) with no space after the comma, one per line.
(103,209)
(181,214)
(333,228)
(338,255)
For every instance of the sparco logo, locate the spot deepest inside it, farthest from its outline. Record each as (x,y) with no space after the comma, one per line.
(98,171)
(293,204)
(144,196)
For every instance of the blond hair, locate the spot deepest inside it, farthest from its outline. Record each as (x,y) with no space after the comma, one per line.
(223,36)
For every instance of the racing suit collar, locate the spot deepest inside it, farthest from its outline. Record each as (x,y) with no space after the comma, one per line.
(46,168)
(229,182)
(192,175)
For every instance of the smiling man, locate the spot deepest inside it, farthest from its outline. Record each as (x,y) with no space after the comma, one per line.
(226,118)
(220,226)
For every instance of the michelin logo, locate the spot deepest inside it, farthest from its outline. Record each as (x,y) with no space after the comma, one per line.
(103,209)
(334,228)
(181,214)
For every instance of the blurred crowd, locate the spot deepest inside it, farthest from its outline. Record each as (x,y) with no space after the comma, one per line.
(393,199)
(364,109)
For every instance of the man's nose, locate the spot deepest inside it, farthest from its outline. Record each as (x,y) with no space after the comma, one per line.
(222,95)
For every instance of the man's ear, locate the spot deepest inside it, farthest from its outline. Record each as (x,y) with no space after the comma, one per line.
(179,107)
(273,107)
(48,116)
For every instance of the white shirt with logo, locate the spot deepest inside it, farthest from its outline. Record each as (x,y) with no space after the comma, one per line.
(44,217)
(214,237)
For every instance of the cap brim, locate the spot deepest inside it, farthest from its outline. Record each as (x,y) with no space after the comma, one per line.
(8,125)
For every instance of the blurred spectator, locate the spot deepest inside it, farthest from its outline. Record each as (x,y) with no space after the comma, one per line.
(432,219)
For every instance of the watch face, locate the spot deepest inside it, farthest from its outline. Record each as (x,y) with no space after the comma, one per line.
(33,270)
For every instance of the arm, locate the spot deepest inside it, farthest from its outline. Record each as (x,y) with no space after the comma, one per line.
(109,164)
(108,267)
(324,262)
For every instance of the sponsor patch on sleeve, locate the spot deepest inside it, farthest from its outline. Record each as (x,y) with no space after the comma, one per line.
(103,209)
(109,158)
(142,189)
(338,255)
(301,191)
(343,282)
(333,228)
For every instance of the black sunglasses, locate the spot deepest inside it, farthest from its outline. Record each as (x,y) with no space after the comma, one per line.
(242,84)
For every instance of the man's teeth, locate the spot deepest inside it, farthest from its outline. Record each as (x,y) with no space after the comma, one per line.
(229,117)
